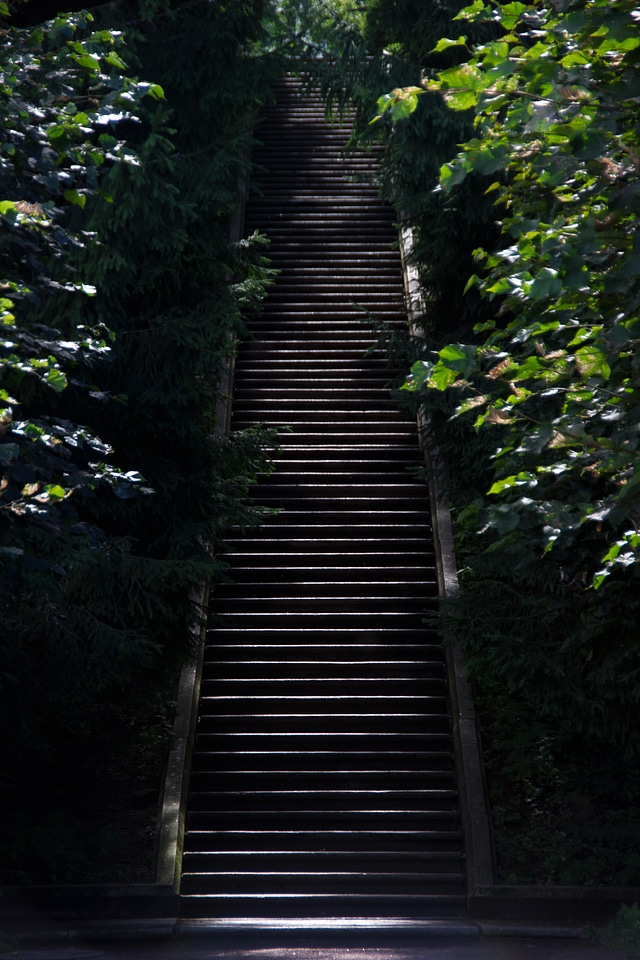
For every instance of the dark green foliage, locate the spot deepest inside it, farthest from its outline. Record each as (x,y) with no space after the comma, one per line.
(123,296)
(623,933)
(410,27)
(549,398)
(553,388)
(65,639)
(85,813)
(392,49)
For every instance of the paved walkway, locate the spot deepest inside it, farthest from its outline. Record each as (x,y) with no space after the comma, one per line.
(356,945)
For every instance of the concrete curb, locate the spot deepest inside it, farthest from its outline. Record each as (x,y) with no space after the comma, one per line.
(458,929)
(328,927)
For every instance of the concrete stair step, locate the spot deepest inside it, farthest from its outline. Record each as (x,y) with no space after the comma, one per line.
(220,761)
(314,722)
(315,905)
(320,862)
(293,671)
(372,842)
(358,648)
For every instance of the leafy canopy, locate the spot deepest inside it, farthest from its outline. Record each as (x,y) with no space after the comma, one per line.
(556,378)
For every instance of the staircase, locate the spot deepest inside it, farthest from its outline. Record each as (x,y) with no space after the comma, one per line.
(323,779)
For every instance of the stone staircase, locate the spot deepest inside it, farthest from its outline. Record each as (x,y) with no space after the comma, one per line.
(323,781)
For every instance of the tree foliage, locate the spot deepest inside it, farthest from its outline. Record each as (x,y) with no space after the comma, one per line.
(366,51)
(557,372)
(121,297)
(537,407)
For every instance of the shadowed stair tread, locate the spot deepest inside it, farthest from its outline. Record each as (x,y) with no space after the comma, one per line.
(445,842)
(399,722)
(297,882)
(339,664)
(320,760)
(243,660)
(262,907)
(251,862)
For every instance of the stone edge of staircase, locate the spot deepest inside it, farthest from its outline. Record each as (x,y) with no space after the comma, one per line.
(474,807)
(174,794)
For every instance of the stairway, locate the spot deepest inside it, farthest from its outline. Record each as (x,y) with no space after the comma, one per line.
(323,779)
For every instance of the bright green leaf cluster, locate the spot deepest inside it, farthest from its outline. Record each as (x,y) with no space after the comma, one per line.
(400,103)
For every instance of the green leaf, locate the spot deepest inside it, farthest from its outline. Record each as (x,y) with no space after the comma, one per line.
(72,196)
(585,333)
(472,10)
(460,99)
(536,439)
(56,379)
(495,53)
(56,132)
(547,283)
(55,491)
(501,286)
(445,44)
(420,373)
(467,76)
(517,480)
(504,518)
(401,109)
(115,61)
(33,431)
(88,62)
(591,362)
(455,359)
(510,13)
(491,158)
(575,58)
(442,376)
(451,174)
(528,370)
(460,357)
(155,91)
